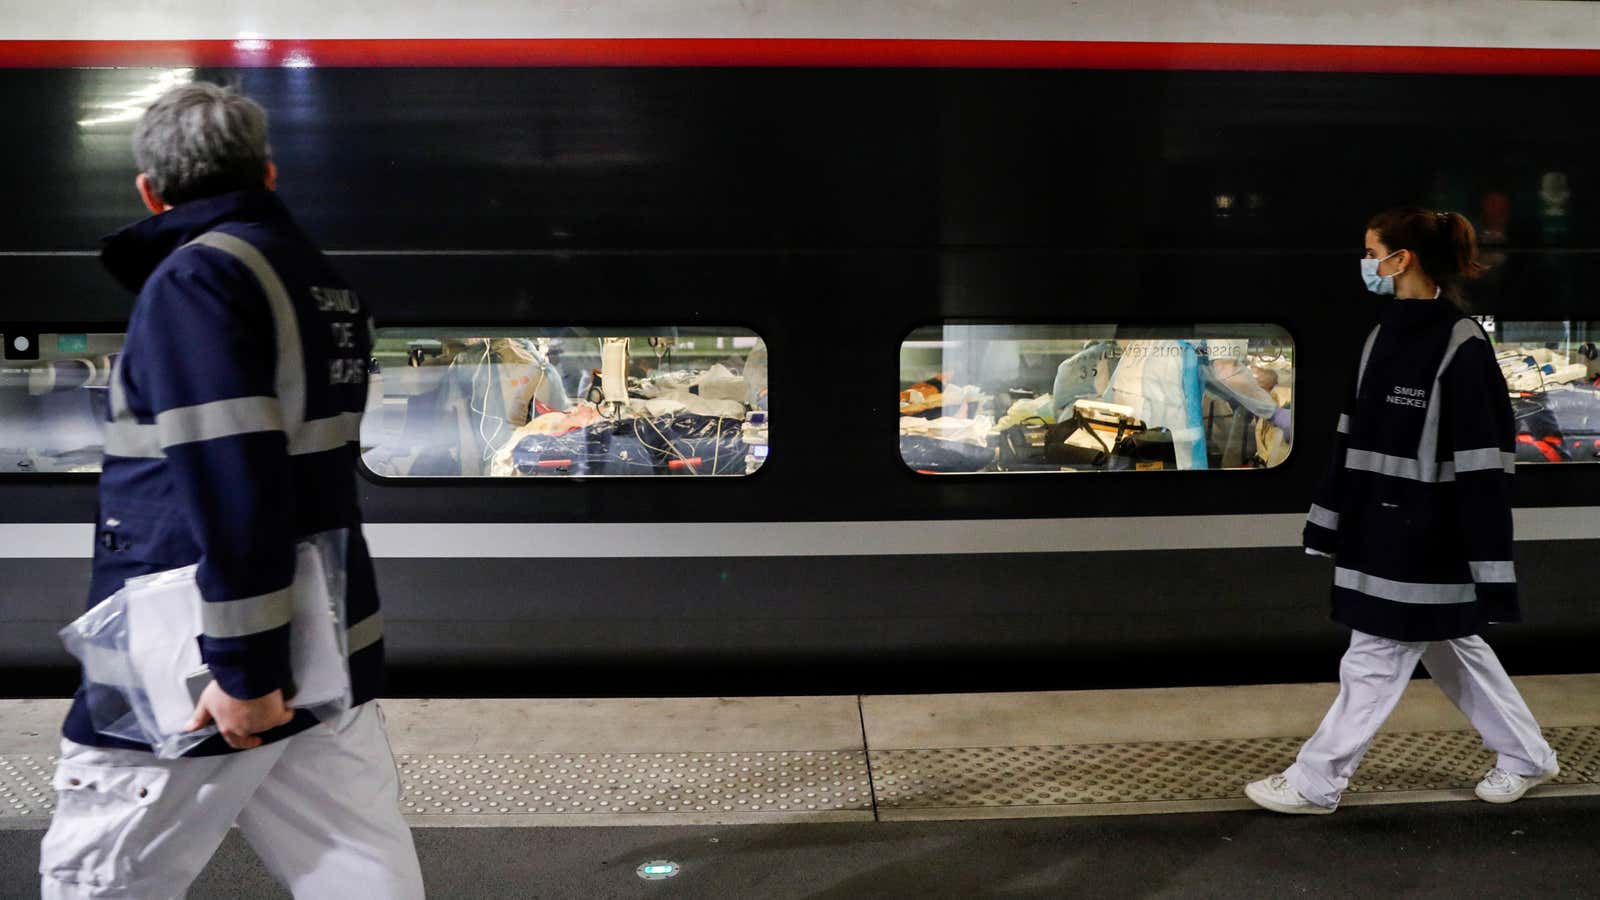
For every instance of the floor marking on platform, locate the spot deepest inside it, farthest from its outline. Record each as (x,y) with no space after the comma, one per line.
(786,785)
(25,792)
(705,788)
(1198,776)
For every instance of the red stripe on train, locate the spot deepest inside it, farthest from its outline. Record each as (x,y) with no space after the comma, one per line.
(805,52)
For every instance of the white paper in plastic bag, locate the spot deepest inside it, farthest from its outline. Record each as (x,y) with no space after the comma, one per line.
(163,622)
(139,646)
(317,633)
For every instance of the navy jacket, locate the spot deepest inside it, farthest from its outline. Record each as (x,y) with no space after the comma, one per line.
(1416,506)
(234,417)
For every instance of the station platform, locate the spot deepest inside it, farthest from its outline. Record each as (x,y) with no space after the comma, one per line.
(827,772)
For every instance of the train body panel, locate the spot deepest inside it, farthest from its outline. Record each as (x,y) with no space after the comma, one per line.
(832,211)
(1545,24)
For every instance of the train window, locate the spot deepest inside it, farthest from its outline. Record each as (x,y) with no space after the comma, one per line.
(567,402)
(1552,372)
(53,400)
(1095,398)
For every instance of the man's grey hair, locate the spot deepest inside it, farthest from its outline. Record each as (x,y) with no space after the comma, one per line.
(198,140)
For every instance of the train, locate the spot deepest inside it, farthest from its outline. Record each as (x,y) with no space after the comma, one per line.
(665,298)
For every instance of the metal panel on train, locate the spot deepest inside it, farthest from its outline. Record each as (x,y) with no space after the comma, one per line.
(833,213)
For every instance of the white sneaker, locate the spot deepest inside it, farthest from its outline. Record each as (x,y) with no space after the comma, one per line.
(1275,793)
(1500,786)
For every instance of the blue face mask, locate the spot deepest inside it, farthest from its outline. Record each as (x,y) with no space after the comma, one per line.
(1378,284)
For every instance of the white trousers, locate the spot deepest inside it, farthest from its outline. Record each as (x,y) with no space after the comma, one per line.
(1373,675)
(321,809)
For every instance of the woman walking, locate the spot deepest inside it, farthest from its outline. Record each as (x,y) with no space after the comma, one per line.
(1415,512)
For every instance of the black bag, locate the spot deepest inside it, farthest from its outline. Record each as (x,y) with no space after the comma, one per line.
(1022,444)
(1150,448)
(1085,441)
(1111,444)
(1058,451)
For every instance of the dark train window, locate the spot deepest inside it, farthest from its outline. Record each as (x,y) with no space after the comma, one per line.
(567,402)
(53,400)
(1552,372)
(1095,398)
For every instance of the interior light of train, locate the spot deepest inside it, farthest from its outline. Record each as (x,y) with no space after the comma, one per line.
(22,346)
(131,108)
(1555,191)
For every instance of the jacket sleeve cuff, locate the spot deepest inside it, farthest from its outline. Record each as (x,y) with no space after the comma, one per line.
(247,668)
(1319,541)
(1497,602)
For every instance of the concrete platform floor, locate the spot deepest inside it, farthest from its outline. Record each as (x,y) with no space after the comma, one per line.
(763,760)
(1534,848)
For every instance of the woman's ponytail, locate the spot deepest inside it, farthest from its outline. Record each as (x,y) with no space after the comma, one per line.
(1463,245)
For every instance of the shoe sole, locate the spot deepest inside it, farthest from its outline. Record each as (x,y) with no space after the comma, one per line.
(1528,785)
(1305,810)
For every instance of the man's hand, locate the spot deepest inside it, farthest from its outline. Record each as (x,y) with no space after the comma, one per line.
(239,720)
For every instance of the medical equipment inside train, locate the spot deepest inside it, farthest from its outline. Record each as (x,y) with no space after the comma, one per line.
(1094,398)
(53,400)
(664,401)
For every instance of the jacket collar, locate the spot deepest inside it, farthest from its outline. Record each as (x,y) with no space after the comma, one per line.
(132,253)
(1418,313)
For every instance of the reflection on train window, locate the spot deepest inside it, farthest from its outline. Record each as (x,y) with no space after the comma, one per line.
(567,401)
(53,400)
(1552,372)
(1095,398)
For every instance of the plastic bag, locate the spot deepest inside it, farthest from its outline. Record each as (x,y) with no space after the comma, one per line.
(111,691)
(140,652)
(331,550)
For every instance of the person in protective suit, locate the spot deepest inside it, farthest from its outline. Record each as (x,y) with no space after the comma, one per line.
(235,416)
(1164,381)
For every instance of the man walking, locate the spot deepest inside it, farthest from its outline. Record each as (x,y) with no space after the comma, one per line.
(234,415)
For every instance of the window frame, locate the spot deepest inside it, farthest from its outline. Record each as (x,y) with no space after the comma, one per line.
(57,327)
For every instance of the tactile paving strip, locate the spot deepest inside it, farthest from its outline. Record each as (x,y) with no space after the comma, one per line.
(555,787)
(1186,771)
(635,783)
(25,785)
(440,786)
